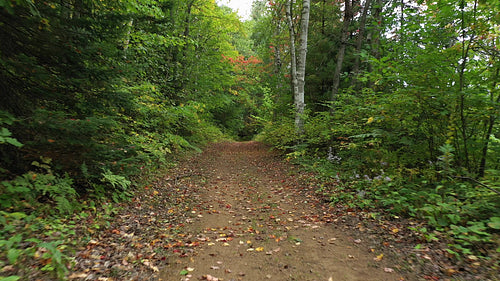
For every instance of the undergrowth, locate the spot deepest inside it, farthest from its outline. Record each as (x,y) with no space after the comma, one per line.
(46,215)
(358,171)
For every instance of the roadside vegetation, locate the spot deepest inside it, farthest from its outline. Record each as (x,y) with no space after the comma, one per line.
(97,98)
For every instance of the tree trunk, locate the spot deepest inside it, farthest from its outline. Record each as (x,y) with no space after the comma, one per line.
(374,37)
(179,54)
(377,14)
(188,18)
(462,86)
(359,42)
(126,43)
(293,57)
(323,17)
(341,53)
(301,71)
(278,61)
(491,124)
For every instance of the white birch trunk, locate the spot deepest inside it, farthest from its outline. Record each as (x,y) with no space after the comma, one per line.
(298,70)
(301,67)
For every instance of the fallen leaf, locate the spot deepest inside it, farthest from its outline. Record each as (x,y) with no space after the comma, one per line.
(259,249)
(379,257)
(388,270)
(214,267)
(472,257)
(209,277)
(450,271)
(357,241)
(8,268)
(154,268)
(78,275)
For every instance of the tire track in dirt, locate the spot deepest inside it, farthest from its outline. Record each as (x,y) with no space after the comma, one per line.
(252,222)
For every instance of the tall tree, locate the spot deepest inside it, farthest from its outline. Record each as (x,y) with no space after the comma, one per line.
(344,36)
(293,57)
(359,41)
(301,66)
(298,64)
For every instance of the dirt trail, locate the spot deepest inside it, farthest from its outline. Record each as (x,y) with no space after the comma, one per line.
(251,221)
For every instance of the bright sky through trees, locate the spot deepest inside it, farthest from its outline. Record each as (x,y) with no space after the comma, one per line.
(243,7)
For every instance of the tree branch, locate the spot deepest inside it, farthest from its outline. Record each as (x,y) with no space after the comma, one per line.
(478,182)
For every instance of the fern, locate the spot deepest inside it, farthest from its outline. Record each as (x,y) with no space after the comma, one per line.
(63,205)
(32,188)
(116,180)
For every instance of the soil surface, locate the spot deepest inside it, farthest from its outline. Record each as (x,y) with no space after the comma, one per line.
(238,212)
(250,219)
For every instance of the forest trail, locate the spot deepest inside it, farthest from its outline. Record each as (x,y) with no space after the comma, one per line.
(251,220)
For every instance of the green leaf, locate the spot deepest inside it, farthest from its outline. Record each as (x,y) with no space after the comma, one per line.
(48,267)
(478,228)
(34,240)
(5,137)
(13,255)
(10,278)
(4,132)
(494,222)
(184,272)
(14,142)
(8,7)
(18,215)
(295,239)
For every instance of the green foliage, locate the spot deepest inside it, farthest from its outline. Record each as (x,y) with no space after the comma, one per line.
(362,167)
(280,133)
(115,180)
(97,94)
(28,190)
(5,134)
(420,117)
(18,243)
(10,278)
(112,86)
